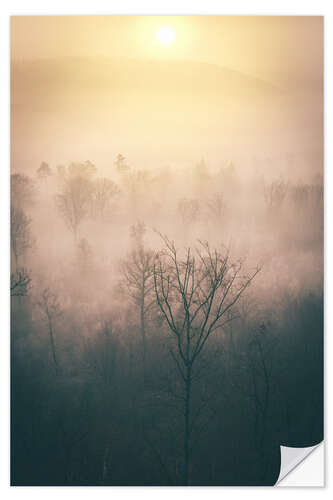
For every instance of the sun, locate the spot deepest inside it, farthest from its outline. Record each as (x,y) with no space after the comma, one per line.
(165,35)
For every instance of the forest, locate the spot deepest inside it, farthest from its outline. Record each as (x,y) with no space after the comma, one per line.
(166,323)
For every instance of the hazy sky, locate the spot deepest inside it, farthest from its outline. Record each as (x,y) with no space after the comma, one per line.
(263,46)
(155,103)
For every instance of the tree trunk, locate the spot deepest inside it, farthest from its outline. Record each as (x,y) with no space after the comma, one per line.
(187,414)
(53,346)
(143,336)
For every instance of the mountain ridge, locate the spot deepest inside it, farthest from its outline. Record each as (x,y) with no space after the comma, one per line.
(137,75)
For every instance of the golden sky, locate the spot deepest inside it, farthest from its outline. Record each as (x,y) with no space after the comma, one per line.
(94,86)
(259,45)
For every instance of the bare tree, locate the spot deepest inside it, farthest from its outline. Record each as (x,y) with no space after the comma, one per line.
(137,184)
(216,207)
(84,255)
(19,283)
(104,192)
(22,190)
(82,169)
(260,350)
(102,352)
(44,171)
(201,176)
(275,193)
(20,234)
(137,233)
(121,164)
(196,295)
(49,305)
(74,201)
(137,272)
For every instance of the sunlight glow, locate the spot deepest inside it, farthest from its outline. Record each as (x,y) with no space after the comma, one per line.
(165,35)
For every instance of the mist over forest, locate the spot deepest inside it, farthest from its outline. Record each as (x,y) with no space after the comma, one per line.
(166,268)
(98,369)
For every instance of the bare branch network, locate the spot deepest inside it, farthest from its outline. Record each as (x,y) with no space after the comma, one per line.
(196,294)
(19,283)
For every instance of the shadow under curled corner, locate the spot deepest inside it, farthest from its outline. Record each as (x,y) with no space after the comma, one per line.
(292,457)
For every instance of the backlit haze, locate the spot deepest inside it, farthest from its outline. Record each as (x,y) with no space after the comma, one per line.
(240,88)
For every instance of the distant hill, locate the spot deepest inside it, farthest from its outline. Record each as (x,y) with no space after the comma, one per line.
(118,75)
(156,110)
(47,84)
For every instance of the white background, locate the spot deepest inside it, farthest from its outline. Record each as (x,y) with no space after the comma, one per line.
(98,7)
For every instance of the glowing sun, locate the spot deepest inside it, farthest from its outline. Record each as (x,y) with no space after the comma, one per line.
(165,35)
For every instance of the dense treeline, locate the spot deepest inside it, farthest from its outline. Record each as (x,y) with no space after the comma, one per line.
(166,326)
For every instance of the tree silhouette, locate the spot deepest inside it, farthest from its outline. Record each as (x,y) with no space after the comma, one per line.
(49,305)
(44,171)
(20,234)
(259,357)
(104,192)
(19,283)
(121,164)
(22,191)
(137,270)
(275,193)
(74,201)
(196,294)
(216,207)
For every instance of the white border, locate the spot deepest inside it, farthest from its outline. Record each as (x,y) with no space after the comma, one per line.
(172,7)
(177,7)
